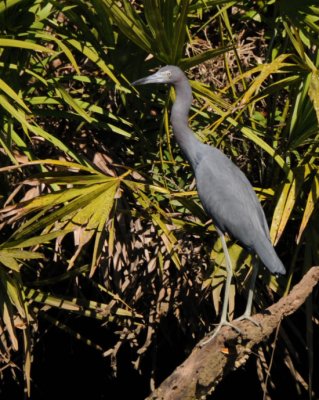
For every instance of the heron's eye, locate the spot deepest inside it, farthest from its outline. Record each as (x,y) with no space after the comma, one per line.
(169,74)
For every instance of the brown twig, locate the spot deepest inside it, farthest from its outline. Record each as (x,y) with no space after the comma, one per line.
(211,361)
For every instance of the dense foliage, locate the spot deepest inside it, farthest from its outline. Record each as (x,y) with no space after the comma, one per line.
(103,237)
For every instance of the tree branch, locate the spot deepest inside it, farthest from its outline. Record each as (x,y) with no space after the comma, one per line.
(212,360)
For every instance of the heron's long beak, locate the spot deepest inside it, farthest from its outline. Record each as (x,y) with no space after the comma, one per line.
(154,78)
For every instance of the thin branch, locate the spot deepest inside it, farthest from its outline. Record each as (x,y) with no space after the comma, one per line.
(211,361)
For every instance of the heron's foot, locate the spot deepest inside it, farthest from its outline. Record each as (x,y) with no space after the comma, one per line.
(218,328)
(248,317)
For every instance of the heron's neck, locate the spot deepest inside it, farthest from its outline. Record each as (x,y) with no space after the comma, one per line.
(179,119)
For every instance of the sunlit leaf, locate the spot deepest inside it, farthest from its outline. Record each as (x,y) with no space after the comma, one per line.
(314,91)
(286,203)
(311,203)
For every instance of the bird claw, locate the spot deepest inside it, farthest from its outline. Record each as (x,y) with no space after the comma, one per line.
(248,318)
(218,328)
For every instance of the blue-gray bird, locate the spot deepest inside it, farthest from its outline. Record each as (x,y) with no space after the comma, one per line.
(225,192)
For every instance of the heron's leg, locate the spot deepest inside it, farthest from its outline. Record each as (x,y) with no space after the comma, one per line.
(247,313)
(229,271)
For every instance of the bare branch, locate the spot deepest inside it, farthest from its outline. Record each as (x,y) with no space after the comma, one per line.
(211,361)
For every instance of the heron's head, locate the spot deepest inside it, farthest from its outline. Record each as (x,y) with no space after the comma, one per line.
(169,74)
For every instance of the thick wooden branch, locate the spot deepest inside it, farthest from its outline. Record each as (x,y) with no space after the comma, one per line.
(212,359)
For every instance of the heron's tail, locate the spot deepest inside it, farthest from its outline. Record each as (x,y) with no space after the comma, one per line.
(268,256)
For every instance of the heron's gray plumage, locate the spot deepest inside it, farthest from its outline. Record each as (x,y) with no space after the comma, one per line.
(223,189)
(229,199)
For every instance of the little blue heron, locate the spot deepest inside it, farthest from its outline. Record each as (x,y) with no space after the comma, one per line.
(225,192)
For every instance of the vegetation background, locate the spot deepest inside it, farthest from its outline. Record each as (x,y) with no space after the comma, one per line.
(109,270)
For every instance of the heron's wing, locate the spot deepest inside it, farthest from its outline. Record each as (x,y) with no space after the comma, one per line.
(229,198)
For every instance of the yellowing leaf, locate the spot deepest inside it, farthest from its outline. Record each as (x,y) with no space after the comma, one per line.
(73,103)
(102,219)
(9,262)
(10,92)
(23,44)
(312,200)
(314,91)
(265,71)
(286,203)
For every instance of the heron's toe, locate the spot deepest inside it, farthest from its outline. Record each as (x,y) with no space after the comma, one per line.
(248,318)
(215,332)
